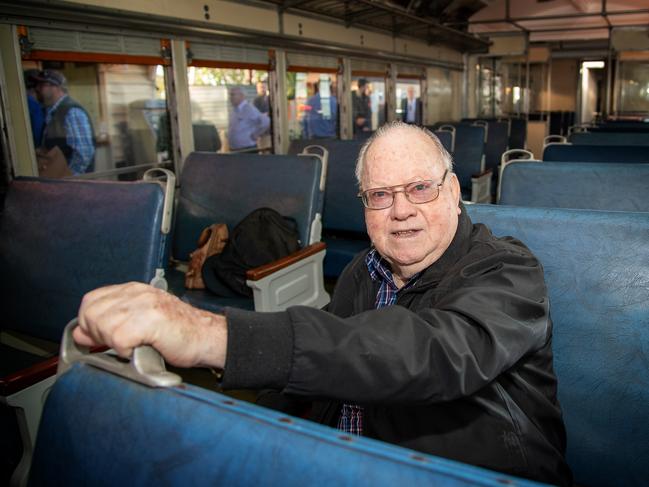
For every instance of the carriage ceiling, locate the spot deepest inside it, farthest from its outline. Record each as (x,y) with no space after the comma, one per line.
(466,24)
(426,20)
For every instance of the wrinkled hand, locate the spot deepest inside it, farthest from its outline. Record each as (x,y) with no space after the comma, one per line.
(125,316)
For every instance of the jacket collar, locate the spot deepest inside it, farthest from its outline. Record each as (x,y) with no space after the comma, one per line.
(459,247)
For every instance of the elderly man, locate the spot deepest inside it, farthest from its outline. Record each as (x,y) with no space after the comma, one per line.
(67,124)
(438,338)
(247,123)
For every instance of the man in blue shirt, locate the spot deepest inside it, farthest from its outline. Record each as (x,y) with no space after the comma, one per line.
(36,115)
(320,119)
(67,123)
(247,123)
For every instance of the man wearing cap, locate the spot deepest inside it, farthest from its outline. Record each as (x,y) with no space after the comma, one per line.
(67,123)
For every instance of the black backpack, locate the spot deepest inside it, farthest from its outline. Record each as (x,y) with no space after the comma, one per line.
(261,237)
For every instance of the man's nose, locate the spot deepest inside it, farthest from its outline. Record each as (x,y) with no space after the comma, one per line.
(401,207)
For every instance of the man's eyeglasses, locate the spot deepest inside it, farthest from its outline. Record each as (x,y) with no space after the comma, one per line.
(418,192)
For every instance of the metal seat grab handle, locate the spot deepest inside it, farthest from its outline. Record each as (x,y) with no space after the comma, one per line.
(145,366)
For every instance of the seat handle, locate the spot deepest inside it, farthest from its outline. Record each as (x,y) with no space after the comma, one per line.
(145,366)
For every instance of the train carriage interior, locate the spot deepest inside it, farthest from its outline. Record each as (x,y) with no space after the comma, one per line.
(128,129)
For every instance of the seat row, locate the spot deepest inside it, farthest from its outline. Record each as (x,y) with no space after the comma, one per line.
(62,238)
(102,428)
(565,241)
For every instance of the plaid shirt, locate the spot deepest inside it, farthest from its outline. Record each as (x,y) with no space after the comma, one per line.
(351,415)
(78,136)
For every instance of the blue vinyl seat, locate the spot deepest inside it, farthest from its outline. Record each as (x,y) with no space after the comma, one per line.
(58,240)
(568,185)
(469,161)
(224,188)
(596,268)
(343,220)
(609,138)
(595,153)
(517,133)
(447,138)
(98,427)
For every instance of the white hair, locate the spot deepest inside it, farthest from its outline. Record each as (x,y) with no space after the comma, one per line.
(446,159)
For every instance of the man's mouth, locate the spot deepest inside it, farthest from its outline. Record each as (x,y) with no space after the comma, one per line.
(405,233)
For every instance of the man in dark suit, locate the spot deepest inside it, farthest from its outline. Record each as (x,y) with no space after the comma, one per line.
(411,107)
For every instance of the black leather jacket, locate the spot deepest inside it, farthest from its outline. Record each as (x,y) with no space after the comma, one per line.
(460,367)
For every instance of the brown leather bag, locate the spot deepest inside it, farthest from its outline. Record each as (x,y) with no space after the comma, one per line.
(211,241)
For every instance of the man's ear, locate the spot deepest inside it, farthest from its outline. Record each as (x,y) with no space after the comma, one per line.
(455,188)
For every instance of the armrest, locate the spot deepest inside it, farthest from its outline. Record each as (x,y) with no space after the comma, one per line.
(267,269)
(21,379)
(482,174)
(481,187)
(25,391)
(294,280)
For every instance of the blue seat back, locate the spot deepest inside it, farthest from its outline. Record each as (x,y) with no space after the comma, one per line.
(497,142)
(446,138)
(596,268)
(621,126)
(224,188)
(343,219)
(100,429)
(595,153)
(609,138)
(206,137)
(342,208)
(469,148)
(517,133)
(62,238)
(569,185)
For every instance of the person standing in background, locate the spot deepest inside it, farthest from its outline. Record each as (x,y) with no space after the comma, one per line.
(68,127)
(411,107)
(261,101)
(361,108)
(247,123)
(321,113)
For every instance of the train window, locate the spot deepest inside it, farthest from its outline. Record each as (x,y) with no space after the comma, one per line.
(633,95)
(444,99)
(489,88)
(312,105)
(368,103)
(515,96)
(115,108)
(96,101)
(230,109)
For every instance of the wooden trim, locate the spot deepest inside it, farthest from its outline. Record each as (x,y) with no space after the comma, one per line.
(268,269)
(633,56)
(94,57)
(22,379)
(311,69)
(208,63)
